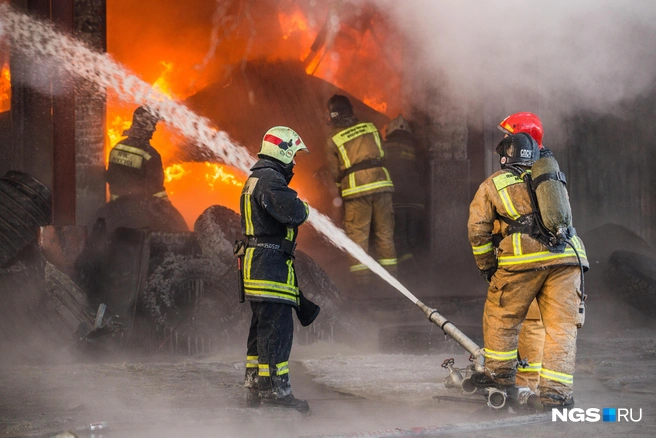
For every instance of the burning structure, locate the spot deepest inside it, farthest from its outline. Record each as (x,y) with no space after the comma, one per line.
(246,66)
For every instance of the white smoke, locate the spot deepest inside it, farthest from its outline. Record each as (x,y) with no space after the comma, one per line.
(584,54)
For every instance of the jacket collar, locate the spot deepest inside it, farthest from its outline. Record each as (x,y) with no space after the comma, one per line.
(270,163)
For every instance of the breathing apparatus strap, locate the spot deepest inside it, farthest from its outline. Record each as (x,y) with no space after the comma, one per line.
(531,223)
(550,176)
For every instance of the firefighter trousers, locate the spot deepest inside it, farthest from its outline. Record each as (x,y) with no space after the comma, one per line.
(269,345)
(508,300)
(407,228)
(531,343)
(371,217)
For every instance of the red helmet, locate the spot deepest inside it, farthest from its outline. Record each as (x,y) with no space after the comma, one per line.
(523,122)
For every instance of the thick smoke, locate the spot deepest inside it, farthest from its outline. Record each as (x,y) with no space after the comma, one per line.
(583,55)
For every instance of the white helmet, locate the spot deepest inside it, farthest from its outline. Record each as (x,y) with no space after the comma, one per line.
(397,124)
(282,143)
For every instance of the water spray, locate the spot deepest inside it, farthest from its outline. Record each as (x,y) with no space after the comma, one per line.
(39,41)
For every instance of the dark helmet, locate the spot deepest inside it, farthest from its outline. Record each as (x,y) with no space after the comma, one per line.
(144,119)
(339,108)
(520,149)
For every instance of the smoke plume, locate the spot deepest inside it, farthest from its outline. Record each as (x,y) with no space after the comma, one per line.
(583,55)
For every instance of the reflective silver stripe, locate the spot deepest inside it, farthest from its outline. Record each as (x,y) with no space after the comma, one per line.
(263,370)
(483,249)
(251,362)
(517,244)
(567,379)
(508,205)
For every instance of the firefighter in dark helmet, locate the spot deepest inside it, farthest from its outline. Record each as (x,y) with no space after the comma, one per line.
(135,167)
(354,154)
(406,164)
(270,216)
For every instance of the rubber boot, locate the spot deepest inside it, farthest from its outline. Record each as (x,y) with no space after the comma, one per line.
(548,406)
(482,380)
(289,401)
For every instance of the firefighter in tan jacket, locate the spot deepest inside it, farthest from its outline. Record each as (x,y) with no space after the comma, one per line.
(520,270)
(354,155)
(531,336)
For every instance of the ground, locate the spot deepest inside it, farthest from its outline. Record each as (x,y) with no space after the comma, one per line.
(349,389)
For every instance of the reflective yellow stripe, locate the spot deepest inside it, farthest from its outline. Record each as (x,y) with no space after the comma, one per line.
(387,262)
(270,285)
(517,244)
(269,294)
(506,179)
(263,370)
(290,234)
(508,205)
(251,362)
(367,187)
(342,137)
(567,379)
(250,229)
(161,194)
(356,268)
(541,256)
(531,368)
(380,147)
(483,249)
(307,209)
(248,261)
(405,257)
(345,158)
(290,272)
(282,368)
(500,355)
(132,150)
(351,181)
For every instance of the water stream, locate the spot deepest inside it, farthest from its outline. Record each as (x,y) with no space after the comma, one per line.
(40,42)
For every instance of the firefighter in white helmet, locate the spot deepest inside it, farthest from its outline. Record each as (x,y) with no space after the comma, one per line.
(271,213)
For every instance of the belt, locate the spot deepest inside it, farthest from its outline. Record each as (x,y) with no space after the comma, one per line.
(363,165)
(274,243)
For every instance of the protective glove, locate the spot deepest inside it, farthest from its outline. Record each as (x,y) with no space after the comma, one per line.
(487,274)
(496,239)
(307,311)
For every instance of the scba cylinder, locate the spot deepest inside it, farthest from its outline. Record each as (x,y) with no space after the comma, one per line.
(551,193)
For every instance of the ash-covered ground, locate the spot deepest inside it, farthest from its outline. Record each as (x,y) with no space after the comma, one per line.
(377,373)
(350,387)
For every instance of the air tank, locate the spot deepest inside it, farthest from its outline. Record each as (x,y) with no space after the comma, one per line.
(552,196)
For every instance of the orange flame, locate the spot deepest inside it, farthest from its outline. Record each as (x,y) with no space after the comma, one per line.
(174,172)
(219,174)
(5,88)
